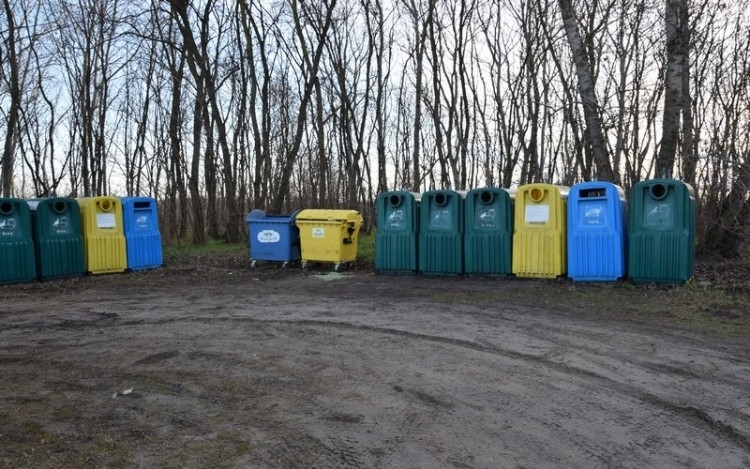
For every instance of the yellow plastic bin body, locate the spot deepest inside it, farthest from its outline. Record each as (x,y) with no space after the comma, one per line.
(328,236)
(539,241)
(103,234)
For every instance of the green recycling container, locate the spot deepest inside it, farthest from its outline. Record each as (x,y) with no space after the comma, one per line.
(397,234)
(441,230)
(17,261)
(662,232)
(488,232)
(58,240)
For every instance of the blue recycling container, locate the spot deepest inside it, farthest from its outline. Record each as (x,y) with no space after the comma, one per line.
(58,240)
(142,237)
(273,238)
(597,232)
(17,259)
(441,231)
(397,234)
(488,232)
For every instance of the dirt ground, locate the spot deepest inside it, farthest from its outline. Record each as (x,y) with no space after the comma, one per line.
(218,366)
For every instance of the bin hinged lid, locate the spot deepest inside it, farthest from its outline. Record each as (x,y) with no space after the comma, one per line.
(329,215)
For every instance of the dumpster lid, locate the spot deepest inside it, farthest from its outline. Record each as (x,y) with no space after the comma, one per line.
(329,215)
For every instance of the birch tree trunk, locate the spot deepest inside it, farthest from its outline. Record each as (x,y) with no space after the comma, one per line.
(673,85)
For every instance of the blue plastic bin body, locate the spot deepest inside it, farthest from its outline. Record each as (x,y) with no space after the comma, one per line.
(17,259)
(142,237)
(273,238)
(597,232)
(397,235)
(441,233)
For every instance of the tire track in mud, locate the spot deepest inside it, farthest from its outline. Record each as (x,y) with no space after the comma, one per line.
(696,417)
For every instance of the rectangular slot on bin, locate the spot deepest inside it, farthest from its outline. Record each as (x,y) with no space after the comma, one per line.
(141,205)
(591,193)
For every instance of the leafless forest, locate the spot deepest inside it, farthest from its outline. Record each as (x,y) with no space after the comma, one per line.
(216,107)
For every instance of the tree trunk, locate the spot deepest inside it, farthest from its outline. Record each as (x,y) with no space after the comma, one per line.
(674,94)
(11,134)
(312,65)
(594,128)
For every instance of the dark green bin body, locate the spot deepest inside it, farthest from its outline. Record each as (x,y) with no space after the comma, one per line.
(397,235)
(441,230)
(662,232)
(58,239)
(17,263)
(488,232)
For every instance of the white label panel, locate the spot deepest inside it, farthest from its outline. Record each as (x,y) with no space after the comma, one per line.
(105,220)
(537,213)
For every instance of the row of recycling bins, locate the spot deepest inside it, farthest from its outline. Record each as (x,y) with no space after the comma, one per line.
(546,231)
(587,232)
(66,237)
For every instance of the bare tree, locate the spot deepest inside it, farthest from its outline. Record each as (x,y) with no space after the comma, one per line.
(14,86)
(310,60)
(591,111)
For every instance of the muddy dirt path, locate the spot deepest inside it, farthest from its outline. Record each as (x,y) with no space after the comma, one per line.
(355,371)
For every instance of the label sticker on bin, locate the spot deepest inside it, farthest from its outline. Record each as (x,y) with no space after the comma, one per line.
(657,215)
(537,214)
(396,219)
(487,218)
(61,226)
(105,220)
(318,233)
(593,214)
(269,237)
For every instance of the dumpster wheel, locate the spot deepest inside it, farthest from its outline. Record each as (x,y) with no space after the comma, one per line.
(337,267)
(253,263)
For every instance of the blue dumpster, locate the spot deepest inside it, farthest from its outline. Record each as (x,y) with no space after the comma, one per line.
(397,232)
(58,240)
(441,231)
(597,232)
(488,232)
(142,237)
(273,238)
(17,261)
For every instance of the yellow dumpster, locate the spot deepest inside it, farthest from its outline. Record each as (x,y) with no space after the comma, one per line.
(328,236)
(103,234)
(539,242)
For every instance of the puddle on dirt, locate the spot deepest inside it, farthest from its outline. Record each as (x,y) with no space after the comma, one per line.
(332,276)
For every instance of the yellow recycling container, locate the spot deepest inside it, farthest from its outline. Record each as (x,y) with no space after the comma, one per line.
(103,234)
(539,242)
(328,236)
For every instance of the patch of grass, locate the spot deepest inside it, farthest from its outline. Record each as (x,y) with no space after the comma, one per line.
(211,248)
(366,246)
(694,307)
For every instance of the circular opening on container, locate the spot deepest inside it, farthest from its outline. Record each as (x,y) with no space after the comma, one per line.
(536,194)
(6,208)
(395,200)
(486,197)
(441,199)
(59,207)
(658,191)
(105,205)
